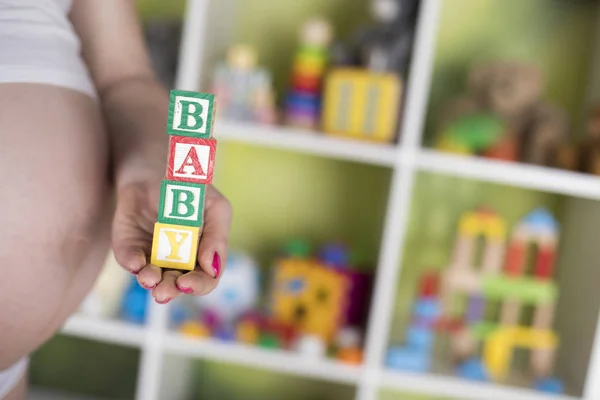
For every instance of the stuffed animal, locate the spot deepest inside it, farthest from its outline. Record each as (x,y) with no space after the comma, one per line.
(513,92)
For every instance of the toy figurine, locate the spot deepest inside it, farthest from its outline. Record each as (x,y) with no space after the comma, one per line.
(512,91)
(303,102)
(588,154)
(386,46)
(244,90)
(236,294)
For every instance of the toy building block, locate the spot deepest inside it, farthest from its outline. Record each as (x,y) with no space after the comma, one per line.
(194,329)
(429,284)
(510,313)
(473,369)
(181,203)
(191,114)
(191,159)
(248,332)
(408,359)
(175,246)
(362,105)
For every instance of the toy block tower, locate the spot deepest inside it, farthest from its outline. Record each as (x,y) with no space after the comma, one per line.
(189,169)
(303,102)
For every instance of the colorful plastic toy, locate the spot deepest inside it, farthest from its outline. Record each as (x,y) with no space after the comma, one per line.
(303,102)
(360,104)
(243,89)
(133,308)
(236,294)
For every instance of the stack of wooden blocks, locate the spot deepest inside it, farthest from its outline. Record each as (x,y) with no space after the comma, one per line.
(189,169)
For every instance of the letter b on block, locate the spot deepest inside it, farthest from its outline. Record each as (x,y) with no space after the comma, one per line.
(181,203)
(191,114)
(174,246)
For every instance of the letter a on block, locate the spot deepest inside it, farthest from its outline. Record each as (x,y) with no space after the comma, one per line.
(191,114)
(174,246)
(181,203)
(191,159)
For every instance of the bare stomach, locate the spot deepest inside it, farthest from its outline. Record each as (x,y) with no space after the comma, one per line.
(54,210)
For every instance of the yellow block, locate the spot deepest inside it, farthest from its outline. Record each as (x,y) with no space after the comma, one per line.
(476,223)
(310,66)
(248,332)
(309,297)
(362,104)
(499,347)
(174,246)
(194,329)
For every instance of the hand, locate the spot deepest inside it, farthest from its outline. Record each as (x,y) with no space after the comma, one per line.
(133,227)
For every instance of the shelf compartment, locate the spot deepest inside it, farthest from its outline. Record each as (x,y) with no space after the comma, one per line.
(438,203)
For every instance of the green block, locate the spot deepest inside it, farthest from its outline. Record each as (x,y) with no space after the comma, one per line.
(181,203)
(524,289)
(269,341)
(482,330)
(298,249)
(191,114)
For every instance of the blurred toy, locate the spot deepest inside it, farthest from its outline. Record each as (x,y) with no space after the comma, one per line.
(512,92)
(134,305)
(194,329)
(479,134)
(309,297)
(243,90)
(361,104)
(485,282)
(385,46)
(311,345)
(236,294)
(303,102)
(416,354)
(248,331)
(585,156)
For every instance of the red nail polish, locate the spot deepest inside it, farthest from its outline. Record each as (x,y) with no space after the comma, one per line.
(183,290)
(134,272)
(216,264)
(148,287)
(163,302)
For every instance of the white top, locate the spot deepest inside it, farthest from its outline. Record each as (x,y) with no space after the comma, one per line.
(38,45)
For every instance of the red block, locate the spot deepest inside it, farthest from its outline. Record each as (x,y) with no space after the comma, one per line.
(191,159)
(429,284)
(544,267)
(515,259)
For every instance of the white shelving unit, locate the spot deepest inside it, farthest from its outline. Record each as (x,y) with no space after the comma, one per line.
(406,160)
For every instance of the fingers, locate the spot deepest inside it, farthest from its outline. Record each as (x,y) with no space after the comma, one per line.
(166,290)
(150,276)
(212,252)
(196,282)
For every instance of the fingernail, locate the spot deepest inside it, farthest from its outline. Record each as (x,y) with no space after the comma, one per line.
(216,264)
(148,287)
(183,289)
(162,302)
(134,272)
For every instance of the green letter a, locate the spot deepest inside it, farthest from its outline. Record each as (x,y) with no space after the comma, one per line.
(186,113)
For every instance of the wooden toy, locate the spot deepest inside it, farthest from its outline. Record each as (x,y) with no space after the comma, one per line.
(244,90)
(360,104)
(190,168)
(512,286)
(309,297)
(303,102)
(194,329)
(191,114)
(191,159)
(175,246)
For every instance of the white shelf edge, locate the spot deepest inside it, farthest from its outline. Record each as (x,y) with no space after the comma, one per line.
(449,387)
(309,142)
(512,174)
(104,330)
(273,360)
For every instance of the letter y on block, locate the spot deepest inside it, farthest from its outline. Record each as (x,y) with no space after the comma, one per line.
(174,246)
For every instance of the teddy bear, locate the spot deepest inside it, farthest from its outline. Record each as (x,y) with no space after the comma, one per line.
(512,91)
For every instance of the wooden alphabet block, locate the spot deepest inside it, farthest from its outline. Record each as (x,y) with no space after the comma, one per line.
(191,114)
(362,104)
(191,159)
(181,203)
(175,246)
